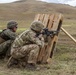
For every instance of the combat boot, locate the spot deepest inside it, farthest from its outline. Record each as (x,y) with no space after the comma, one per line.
(31,66)
(11,62)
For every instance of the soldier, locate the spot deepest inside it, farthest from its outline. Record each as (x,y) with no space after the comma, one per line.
(7,36)
(27,45)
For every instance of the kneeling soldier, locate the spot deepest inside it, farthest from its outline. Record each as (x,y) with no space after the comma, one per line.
(27,45)
(7,36)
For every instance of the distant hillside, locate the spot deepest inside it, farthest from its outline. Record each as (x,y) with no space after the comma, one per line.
(26,9)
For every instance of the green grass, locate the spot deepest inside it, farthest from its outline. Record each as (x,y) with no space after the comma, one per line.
(65,53)
(62,63)
(64,59)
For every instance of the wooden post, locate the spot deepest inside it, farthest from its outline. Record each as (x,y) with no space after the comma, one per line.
(74,40)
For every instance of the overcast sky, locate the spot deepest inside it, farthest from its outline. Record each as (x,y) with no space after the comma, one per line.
(70,2)
(7,1)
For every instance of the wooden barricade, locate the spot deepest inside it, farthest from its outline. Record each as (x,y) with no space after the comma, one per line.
(52,22)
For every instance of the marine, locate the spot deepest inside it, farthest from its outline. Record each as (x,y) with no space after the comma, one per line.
(26,46)
(7,36)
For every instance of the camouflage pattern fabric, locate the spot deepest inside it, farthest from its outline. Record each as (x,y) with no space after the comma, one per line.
(30,51)
(8,34)
(27,44)
(28,37)
(4,47)
(7,38)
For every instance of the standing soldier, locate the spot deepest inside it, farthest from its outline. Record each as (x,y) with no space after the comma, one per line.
(7,36)
(27,45)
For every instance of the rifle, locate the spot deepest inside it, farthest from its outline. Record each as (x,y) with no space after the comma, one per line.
(47,32)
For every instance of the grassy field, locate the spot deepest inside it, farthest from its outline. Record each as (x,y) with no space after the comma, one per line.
(64,58)
(63,61)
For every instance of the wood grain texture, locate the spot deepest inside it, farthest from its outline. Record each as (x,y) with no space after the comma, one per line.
(52,22)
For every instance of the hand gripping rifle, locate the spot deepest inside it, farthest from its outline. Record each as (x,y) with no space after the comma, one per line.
(47,33)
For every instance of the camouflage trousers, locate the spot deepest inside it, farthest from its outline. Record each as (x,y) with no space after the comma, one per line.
(5,47)
(30,52)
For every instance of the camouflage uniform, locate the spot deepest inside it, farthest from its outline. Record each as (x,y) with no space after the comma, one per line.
(6,38)
(27,44)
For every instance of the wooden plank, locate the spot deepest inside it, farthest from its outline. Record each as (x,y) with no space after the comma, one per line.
(57,19)
(37,17)
(41,17)
(50,23)
(42,51)
(56,26)
(52,41)
(45,21)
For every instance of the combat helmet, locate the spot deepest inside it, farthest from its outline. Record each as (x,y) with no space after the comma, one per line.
(12,24)
(37,26)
